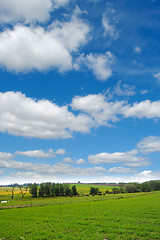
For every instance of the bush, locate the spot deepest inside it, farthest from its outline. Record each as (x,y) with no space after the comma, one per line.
(94,190)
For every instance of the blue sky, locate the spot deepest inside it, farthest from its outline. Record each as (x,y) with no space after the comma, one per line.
(79,92)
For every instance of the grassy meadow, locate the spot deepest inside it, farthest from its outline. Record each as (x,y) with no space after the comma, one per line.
(119,216)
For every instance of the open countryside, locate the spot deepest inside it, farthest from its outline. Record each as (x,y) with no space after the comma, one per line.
(109,216)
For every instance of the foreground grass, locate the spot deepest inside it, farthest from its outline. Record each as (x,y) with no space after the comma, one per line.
(135,216)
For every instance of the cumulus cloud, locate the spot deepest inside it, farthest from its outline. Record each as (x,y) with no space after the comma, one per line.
(97,106)
(1,172)
(145,172)
(81,161)
(144,109)
(60,151)
(24,48)
(22,116)
(5,156)
(67,160)
(36,153)
(46,169)
(103,111)
(100,64)
(149,144)
(121,170)
(28,11)
(126,158)
(60,3)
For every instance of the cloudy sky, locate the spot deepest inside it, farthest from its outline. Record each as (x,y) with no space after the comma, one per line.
(79,92)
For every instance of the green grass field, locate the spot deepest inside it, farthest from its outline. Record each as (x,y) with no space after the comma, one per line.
(120,216)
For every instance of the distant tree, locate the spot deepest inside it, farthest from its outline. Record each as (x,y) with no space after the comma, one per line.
(57,189)
(61,189)
(131,188)
(68,191)
(23,191)
(12,192)
(41,190)
(52,189)
(47,188)
(94,190)
(145,186)
(155,185)
(115,190)
(122,190)
(33,189)
(74,190)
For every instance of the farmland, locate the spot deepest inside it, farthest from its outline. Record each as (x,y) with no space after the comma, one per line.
(119,216)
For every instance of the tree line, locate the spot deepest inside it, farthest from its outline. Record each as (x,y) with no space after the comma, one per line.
(49,189)
(153,185)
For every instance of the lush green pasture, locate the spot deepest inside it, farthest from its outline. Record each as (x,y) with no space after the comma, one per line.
(121,216)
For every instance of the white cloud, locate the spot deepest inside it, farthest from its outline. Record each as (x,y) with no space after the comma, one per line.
(28,11)
(149,144)
(81,161)
(60,3)
(157,76)
(5,156)
(139,177)
(36,153)
(144,91)
(99,169)
(127,158)
(109,22)
(103,111)
(97,106)
(145,109)
(100,64)
(67,160)
(24,48)
(137,49)
(46,169)
(60,151)
(120,90)
(145,172)
(121,170)
(22,116)
(1,172)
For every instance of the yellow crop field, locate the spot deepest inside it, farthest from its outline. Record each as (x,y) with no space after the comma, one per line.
(7,191)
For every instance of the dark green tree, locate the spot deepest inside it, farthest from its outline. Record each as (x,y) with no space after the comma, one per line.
(61,189)
(33,189)
(41,190)
(47,188)
(115,190)
(145,186)
(94,190)
(131,188)
(52,189)
(155,185)
(74,190)
(57,189)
